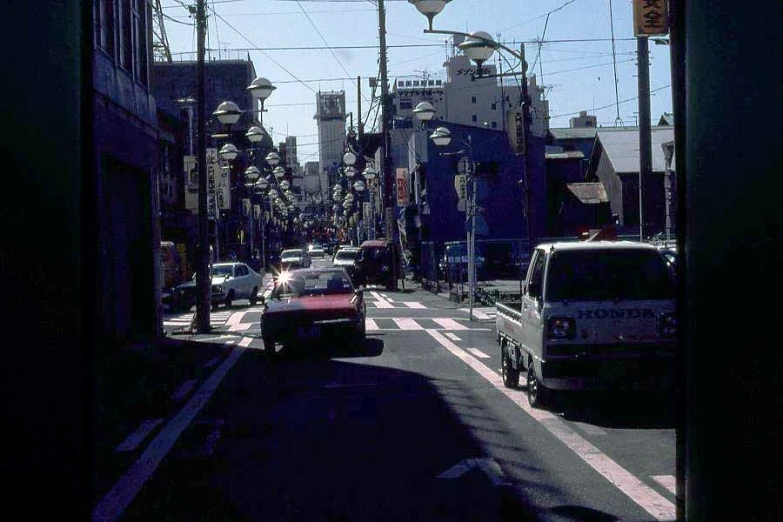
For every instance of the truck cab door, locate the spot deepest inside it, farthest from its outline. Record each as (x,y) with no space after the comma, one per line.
(532,303)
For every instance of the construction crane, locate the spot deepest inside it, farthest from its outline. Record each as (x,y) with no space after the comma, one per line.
(160,42)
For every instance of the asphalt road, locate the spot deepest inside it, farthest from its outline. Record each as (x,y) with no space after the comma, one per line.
(415,426)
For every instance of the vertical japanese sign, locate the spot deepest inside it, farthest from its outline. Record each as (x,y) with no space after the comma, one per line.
(190,168)
(402,187)
(650,17)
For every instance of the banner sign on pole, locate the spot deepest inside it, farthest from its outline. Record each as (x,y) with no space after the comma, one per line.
(402,187)
(650,17)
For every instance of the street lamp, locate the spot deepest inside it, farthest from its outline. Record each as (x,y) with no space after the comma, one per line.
(429,8)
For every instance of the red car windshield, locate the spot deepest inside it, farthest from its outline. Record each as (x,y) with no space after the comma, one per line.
(301,283)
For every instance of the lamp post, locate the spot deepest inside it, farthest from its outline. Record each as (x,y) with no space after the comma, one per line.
(370,175)
(479,47)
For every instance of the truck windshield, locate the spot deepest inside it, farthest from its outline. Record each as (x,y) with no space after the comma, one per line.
(602,275)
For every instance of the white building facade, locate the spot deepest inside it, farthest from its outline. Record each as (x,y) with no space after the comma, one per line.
(330,118)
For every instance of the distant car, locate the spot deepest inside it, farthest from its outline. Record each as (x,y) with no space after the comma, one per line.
(317,252)
(337,248)
(346,258)
(230,281)
(313,306)
(294,258)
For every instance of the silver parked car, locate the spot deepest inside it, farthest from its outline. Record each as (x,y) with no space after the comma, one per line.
(230,281)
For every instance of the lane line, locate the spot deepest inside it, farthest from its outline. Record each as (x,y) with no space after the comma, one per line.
(667,481)
(450,324)
(415,304)
(184,390)
(112,505)
(453,336)
(135,438)
(478,353)
(589,428)
(642,494)
(408,324)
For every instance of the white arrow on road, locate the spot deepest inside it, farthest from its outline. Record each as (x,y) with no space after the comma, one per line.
(488,466)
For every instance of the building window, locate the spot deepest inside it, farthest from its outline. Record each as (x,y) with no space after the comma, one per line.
(126,35)
(400,83)
(494,106)
(438,82)
(473,100)
(474,118)
(494,125)
(140,24)
(407,83)
(104,25)
(406,103)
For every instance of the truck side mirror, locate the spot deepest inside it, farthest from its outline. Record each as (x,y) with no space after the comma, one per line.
(534,288)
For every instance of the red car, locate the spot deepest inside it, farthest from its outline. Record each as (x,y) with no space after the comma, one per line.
(313,306)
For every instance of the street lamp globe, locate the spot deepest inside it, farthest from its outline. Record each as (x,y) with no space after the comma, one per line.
(424,111)
(369,173)
(478,47)
(261,88)
(227,113)
(429,8)
(228,152)
(358,186)
(255,134)
(252,174)
(284,185)
(441,136)
(279,172)
(349,158)
(350,172)
(272,159)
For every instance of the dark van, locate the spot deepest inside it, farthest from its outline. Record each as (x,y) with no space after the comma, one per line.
(378,262)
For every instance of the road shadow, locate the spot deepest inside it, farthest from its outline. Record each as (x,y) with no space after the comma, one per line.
(620,409)
(369,347)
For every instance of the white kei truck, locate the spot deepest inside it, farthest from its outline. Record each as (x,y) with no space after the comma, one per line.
(593,315)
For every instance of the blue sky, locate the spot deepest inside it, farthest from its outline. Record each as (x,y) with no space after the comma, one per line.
(308,46)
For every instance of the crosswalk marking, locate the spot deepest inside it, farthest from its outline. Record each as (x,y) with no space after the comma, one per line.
(450,324)
(483,313)
(135,438)
(478,353)
(452,336)
(408,324)
(383,304)
(370,324)
(667,481)
(241,327)
(415,304)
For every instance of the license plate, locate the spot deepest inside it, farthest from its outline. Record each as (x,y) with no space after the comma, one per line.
(308,332)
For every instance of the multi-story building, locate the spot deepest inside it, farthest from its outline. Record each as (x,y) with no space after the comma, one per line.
(126,159)
(330,115)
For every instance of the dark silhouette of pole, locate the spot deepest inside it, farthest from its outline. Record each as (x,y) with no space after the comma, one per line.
(645,133)
(203,285)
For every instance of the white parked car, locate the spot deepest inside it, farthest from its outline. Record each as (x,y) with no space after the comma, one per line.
(230,281)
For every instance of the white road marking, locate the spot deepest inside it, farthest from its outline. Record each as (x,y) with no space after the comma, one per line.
(408,324)
(245,342)
(231,341)
(370,324)
(450,324)
(667,481)
(241,327)
(642,494)
(489,466)
(453,336)
(589,428)
(415,304)
(478,313)
(184,390)
(380,301)
(135,438)
(213,361)
(478,353)
(236,317)
(389,299)
(111,506)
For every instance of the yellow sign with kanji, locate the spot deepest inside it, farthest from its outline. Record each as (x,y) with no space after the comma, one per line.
(650,17)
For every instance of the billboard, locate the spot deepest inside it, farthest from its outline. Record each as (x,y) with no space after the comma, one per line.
(650,17)
(218,183)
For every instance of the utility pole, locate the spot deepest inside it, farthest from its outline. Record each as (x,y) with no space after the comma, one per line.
(203,286)
(645,133)
(386,174)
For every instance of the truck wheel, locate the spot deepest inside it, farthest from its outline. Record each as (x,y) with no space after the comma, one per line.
(537,394)
(510,374)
